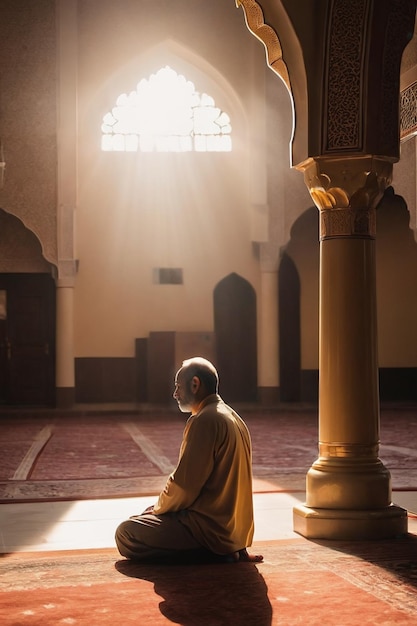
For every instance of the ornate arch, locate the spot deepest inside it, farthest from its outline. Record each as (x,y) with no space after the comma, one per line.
(341,64)
(275,30)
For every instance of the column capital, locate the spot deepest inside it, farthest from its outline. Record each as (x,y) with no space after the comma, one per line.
(269,257)
(66,272)
(346,191)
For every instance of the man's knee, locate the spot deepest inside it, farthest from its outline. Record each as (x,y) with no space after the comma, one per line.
(123,538)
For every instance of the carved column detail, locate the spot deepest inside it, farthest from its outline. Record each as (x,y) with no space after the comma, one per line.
(342,111)
(408,121)
(346,191)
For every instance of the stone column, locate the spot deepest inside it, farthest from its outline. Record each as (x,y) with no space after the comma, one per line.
(348,487)
(65,379)
(268,357)
(268,325)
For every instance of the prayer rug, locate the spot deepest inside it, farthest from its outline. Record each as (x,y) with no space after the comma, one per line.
(300,582)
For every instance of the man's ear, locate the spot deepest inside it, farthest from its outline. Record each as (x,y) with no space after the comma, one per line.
(195,384)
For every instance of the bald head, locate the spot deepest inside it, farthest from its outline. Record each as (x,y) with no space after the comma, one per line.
(204,370)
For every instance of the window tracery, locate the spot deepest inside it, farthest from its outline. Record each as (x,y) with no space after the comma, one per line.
(165,113)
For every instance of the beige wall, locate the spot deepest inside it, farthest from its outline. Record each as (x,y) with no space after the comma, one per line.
(171,215)
(137,212)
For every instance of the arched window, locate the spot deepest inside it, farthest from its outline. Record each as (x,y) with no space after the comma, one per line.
(166,114)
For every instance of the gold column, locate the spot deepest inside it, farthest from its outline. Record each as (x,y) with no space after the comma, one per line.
(348,487)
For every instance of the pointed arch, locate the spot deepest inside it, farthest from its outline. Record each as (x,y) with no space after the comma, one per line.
(396,254)
(276,30)
(185,61)
(236,341)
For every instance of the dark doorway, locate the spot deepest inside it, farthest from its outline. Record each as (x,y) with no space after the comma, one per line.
(27,339)
(235,330)
(289,331)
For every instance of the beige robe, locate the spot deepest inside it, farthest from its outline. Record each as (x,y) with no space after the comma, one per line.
(212,483)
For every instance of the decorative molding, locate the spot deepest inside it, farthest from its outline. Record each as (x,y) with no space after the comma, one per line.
(348,451)
(398,33)
(358,223)
(348,70)
(342,110)
(255,22)
(408,108)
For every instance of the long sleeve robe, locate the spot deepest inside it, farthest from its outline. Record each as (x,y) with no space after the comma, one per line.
(212,483)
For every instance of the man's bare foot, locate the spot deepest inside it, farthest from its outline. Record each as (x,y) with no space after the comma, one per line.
(244,556)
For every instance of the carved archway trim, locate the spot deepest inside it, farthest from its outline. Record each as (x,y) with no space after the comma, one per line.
(291,71)
(255,21)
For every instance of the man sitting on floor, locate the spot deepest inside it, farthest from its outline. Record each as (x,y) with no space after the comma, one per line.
(206,508)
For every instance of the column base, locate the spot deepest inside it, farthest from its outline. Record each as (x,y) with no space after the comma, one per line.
(346,525)
(351,484)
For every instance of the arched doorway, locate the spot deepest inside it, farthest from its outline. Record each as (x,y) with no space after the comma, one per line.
(27,318)
(396,254)
(236,344)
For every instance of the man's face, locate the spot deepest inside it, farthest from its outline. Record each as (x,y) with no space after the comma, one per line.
(182,393)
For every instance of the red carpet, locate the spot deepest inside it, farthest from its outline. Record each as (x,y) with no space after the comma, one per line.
(47,458)
(300,582)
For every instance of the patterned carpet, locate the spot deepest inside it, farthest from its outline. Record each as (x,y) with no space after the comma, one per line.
(300,582)
(51,457)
